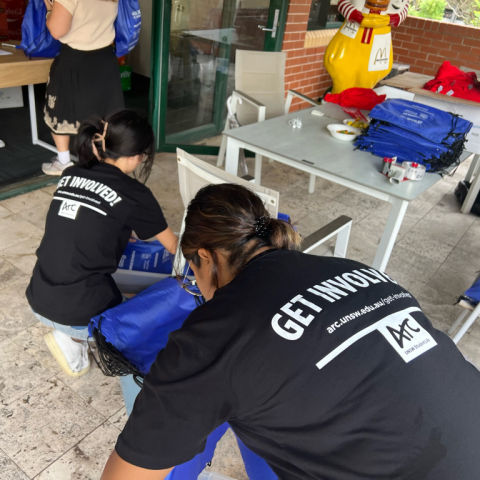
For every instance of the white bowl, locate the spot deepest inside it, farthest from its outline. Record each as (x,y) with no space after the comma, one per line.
(343,132)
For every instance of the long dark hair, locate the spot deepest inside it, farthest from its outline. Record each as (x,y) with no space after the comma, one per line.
(123,134)
(233,219)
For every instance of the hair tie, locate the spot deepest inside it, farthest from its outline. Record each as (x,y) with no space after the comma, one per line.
(261,226)
(101,138)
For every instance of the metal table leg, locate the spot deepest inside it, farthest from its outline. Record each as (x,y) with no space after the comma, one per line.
(473,176)
(33,121)
(385,247)
(231,156)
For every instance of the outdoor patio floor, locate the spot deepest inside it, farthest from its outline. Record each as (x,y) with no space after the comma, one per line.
(53,427)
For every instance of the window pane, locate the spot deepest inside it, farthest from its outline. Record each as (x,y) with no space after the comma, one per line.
(324,14)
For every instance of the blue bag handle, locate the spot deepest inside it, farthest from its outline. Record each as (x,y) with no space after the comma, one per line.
(36,39)
(127,26)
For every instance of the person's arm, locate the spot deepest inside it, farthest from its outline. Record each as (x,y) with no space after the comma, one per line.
(59,19)
(118,469)
(168,239)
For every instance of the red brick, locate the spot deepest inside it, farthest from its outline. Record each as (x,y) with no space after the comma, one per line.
(471,32)
(466,59)
(471,42)
(434,37)
(293,45)
(297,61)
(435,58)
(401,37)
(298,35)
(447,54)
(431,26)
(423,64)
(295,27)
(410,46)
(294,54)
(442,45)
(293,70)
(297,18)
(400,51)
(417,56)
(293,36)
(297,9)
(451,29)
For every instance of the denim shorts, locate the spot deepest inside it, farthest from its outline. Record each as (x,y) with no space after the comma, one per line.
(80,333)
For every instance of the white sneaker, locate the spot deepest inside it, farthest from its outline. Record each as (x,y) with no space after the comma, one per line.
(55,167)
(72,356)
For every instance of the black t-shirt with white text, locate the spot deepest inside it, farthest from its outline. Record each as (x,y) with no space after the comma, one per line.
(88,226)
(324,367)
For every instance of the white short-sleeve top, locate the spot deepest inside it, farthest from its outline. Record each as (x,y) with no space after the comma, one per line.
(92,23)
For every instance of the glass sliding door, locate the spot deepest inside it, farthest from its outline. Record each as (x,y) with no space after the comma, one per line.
(194,58)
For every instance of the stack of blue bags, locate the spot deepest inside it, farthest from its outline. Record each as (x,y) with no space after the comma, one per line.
(415,132)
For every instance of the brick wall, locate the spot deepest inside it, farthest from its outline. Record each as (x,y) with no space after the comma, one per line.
(426,44)
(304,70)
(421,43)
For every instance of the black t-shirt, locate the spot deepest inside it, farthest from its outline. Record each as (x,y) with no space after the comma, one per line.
(89,223)
(324,367)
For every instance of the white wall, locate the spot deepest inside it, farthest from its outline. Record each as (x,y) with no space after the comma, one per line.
(139,57)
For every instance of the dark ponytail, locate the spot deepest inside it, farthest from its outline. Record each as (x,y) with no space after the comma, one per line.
(123,134)
(232,218)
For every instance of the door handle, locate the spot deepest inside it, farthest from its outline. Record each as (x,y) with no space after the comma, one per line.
(274,26)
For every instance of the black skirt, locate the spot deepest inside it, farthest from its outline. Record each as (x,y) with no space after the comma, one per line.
(81,84)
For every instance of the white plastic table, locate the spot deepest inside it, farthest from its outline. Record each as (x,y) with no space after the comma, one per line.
(313,150)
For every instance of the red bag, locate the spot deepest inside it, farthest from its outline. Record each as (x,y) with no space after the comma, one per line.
(361,98)
(454,82)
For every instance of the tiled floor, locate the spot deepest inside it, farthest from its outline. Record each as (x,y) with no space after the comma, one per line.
(53,427)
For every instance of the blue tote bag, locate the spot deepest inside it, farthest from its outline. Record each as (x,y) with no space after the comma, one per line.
(138,328)
(127,26)
(36,39)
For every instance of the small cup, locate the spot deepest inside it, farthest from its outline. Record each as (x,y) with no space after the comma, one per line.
(295,122)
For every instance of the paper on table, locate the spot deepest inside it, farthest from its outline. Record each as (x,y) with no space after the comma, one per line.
(4,52)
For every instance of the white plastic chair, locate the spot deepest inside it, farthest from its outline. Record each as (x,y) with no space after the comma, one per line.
(259,94)
(471,311)
(193,174)
(467,317)
(473,177)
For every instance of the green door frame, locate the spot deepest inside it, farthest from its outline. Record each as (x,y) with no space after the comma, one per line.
(162,10)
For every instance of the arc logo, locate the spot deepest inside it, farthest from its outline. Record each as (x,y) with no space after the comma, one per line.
(402,333)
(69,209)
(408,338)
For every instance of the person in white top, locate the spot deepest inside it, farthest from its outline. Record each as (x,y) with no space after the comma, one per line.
(84,78)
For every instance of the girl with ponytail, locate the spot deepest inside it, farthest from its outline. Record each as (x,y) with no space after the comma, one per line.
(95,209)
(322,366)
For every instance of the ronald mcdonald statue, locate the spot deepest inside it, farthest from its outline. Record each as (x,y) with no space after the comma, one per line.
(360,53)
